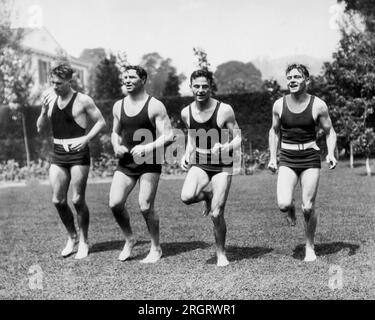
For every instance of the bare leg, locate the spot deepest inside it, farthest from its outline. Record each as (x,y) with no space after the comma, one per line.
(286,182)
(79,176)
(121,187)
(309,184)
(148,184)
(193,189)
(60,179)
(220,187)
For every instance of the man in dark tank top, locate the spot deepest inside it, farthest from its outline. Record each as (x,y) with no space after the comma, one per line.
(213,136)
(138,115)
(70,113)
(295,118)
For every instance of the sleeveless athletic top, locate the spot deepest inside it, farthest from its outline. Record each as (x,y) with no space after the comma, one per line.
(211,134)
(298,127)
(129,125)
(63,124)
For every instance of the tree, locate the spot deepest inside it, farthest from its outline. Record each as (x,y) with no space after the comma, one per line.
(172,85)
(15,81)
(163,79)
(107,80)
(366,8)
(238,77)
(93,56)
(350,88)
(203,64)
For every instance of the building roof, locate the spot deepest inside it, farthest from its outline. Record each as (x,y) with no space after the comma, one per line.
(42,42)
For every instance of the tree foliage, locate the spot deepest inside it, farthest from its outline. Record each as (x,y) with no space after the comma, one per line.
(366,8)
(15,81)
(203,64)
(163,79)
(348,86)
(238,77)
(107,80)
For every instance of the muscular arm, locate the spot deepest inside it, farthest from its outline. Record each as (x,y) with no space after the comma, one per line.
(234,130)
(47,103)
(42,119)
(273,136)
(115,136)
(95,116)
(163,127)
(190,145)
(331,138)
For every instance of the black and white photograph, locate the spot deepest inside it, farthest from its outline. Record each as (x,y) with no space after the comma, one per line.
(205,152)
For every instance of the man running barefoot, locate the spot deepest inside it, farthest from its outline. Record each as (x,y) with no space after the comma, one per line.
(70,113)
(295,118)
(210,125)
(137,115)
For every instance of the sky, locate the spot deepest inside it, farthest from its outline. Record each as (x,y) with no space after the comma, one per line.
(241,30)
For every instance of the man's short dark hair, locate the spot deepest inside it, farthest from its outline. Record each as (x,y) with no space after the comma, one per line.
(139,70)
(300,67)
(202,73)
(63,71)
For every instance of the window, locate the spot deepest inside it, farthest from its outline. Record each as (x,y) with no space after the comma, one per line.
(43,72)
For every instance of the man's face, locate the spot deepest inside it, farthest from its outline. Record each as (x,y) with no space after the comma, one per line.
(201,89)
(296,81)
(60,85)
(132,82)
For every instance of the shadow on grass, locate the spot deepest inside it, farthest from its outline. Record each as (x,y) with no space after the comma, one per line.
(111,245)
(323,249)
(357,164)
(241,253)
(175,248)
(364,174)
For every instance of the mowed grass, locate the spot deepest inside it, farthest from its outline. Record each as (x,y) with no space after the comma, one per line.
(265,254)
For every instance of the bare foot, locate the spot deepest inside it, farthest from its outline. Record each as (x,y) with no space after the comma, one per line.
(83,250)
(127,250)
(153,256)
(69,247)
(222,260)
(310,254)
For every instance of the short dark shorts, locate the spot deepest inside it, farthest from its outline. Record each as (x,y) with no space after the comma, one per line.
(138,170)
(300,160)
(65,159)
(212,170)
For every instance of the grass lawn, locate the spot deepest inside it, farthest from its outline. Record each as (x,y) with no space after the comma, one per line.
(265,254)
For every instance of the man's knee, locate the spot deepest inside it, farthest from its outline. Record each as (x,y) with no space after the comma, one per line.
(78,200)
(285,206)
(308,209)
(59,202)
(145,206)
(217,211)
(116,205)
(186,197)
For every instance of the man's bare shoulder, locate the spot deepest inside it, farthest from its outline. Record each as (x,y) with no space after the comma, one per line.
(85,99)
(117,108)
(320,105)
(226,107)
(226,110)
(157,107)
(185,111)
(278,105)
